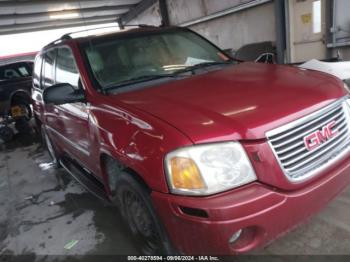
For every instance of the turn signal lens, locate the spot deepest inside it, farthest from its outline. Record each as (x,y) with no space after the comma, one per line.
(185,174)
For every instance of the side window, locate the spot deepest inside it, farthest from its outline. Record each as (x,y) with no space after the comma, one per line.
(66,68)
(47,77)
(37,71)
(23,70)
(11,73)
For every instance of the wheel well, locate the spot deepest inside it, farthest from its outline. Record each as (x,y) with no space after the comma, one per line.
(111,167)
(20,97)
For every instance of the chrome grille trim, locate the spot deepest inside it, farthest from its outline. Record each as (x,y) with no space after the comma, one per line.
(287,142)
(311,123)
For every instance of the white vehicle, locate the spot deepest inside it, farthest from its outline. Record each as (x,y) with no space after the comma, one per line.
(338,69)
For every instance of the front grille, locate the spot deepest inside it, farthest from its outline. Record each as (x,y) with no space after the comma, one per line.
(287,142)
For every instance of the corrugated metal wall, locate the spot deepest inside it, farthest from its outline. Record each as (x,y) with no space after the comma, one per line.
(251,25)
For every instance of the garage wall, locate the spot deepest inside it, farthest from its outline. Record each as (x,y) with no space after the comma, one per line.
(252,25)
(149,17)
(341,36)
(344,52)
(181,11)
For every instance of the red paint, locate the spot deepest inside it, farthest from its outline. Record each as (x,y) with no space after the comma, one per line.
(241,103)
(264,212)
(18,55)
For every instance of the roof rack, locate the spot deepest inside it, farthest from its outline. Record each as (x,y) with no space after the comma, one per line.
(61,39)
(68,36)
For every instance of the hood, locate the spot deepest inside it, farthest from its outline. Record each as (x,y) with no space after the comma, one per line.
(239,102)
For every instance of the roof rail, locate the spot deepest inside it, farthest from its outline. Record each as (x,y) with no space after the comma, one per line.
(97,28)
(140,25)
(61,39)
(68,36)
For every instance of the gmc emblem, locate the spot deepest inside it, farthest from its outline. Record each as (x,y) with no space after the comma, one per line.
(318,137)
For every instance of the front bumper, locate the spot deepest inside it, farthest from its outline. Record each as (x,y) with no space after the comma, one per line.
(264,214)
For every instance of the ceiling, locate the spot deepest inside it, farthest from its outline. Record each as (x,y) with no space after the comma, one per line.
(19,16)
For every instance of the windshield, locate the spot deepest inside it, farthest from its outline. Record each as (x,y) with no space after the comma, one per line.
(164,53)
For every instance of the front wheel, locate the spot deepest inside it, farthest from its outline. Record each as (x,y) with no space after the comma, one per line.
(6,133)
(22,126)
(135,205)
(22,113)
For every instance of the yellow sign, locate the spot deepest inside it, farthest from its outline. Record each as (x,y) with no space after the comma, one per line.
(306,18)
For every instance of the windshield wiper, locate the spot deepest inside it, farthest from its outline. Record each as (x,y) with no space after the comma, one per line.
(201,65)
(136,80)
(145,78)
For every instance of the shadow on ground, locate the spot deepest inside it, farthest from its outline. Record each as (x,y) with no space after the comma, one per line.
(44,209)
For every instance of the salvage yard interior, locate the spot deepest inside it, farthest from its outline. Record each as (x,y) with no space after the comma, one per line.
(175,128)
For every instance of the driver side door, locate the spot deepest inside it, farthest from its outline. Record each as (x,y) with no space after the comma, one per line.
(73,131)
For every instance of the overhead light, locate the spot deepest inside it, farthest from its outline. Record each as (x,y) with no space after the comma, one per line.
(64,16)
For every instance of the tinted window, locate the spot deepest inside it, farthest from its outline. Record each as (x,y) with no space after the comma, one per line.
(66,69)
(23,70)
(37,72)
(13,71)
(48,72)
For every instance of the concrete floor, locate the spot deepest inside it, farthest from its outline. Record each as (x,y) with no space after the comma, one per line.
(42,209)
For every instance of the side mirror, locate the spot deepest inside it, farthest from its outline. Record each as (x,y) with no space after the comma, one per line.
(63,94)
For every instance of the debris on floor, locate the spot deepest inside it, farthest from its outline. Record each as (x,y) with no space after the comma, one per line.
(71,244)
(29,198)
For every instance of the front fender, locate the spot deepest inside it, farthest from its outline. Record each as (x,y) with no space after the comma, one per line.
(137,140)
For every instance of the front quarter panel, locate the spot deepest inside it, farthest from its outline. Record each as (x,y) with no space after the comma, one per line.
(136,139)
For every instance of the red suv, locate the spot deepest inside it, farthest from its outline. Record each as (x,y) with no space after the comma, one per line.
(201,153)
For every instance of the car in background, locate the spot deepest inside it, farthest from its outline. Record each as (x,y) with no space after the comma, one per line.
(200,153)
(261,52)
(15,97)
(340,69)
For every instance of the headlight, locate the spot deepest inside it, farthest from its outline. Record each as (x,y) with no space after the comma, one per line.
(208,169)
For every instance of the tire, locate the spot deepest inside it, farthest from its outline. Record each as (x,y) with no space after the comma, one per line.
(6,134)
(22,123)
(49,146)
(22,126)
(28,110)
(26,107)
(135,206)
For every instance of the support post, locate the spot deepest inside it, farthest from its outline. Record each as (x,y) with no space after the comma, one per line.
(280,30)
(120,23)
(164,12)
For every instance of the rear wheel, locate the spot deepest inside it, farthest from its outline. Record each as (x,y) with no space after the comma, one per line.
(135,205)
